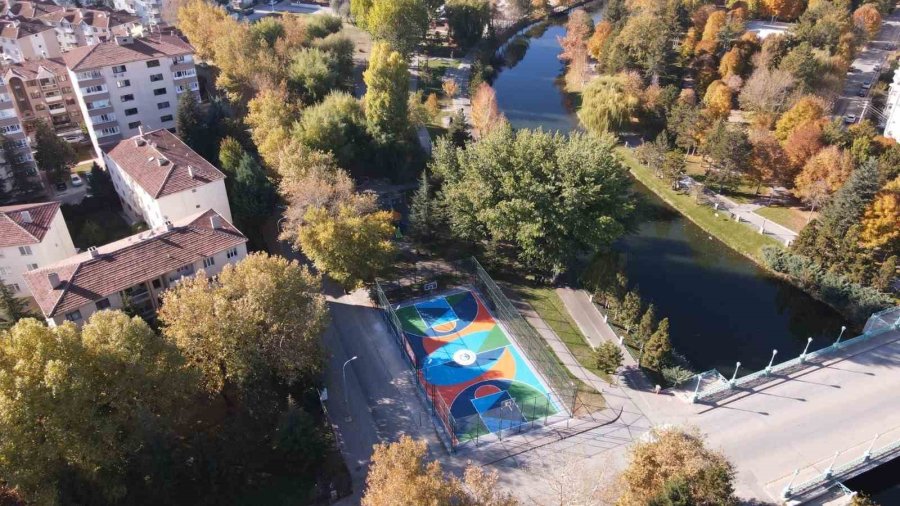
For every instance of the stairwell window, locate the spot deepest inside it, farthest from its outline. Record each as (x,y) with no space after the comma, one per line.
(25,251)
(209,262)
(152,63)
(74,316)
(231,253)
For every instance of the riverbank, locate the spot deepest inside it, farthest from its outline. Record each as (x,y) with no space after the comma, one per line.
(736,236)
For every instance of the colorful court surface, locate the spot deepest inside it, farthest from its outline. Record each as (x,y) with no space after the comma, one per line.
(467,363)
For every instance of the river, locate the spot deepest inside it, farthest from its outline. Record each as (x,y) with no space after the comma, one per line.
(722,307)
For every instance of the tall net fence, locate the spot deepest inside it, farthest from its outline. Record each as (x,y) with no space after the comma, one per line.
(506,416)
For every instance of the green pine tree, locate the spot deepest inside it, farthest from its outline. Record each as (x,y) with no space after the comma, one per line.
(608,357)
(458,131)
(188,122)
(647,324)
(658,347)
(422,211)
(12,309)
(630,310)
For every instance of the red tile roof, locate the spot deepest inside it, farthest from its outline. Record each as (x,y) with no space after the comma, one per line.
(32,10)
(111,52)
(125,263)
(29,69)
(19,29)
(16,230)
(181,167)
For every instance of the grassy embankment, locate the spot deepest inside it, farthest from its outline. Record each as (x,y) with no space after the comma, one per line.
(737,236)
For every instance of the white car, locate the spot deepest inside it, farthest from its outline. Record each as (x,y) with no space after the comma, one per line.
(76,180)
(850,118)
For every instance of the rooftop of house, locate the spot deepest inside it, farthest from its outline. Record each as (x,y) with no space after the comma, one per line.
(98,17)
(33,69)
(100,272)
(123,50)
(31,10)
(26,223)
(161,164)
(20,28)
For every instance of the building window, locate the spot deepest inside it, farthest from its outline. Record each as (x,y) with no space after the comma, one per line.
(159,91)
(14,288)
(231,253)
(127,98)
(93,89)
(118,69)
(25,250)
(163,105)
(32,267)
(209,262)
(74,316)
(134,124)
(108,131)
(131,112)
(156,78)
(123,83)
(102,304)
(152,63)
(167,117)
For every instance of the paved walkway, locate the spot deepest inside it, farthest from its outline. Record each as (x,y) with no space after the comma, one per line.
(747,214)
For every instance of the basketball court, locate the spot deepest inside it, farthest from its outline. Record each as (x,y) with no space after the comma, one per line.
(476,377)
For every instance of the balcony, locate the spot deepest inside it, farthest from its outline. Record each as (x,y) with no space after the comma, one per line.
(58,110)
(53,98)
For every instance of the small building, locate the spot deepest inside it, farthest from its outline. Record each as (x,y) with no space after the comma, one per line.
(41,91)
(159,179)
(31,236)
(28,40)
(135,271)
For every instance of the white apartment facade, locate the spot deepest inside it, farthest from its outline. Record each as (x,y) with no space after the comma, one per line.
(892,109)
(11,128)
(160,179)
(23,40)
(135,271)
(149,11)
(31,236)
(129,84)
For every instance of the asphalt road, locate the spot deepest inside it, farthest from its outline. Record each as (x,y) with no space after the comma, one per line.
(863,69)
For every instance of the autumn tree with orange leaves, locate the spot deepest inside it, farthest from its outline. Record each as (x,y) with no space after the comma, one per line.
(486,114)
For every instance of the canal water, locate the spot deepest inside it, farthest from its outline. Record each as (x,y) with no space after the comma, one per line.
(722,308)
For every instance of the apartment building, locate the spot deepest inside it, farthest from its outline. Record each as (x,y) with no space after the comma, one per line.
(135,271)
(78,26)
(41,91)
(892,109)
(11,128)
(159,179)
(21,40)
(31,236)
(149,11)
(127,84)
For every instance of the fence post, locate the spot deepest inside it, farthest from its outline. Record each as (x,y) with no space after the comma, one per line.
(868,454)
(731,382)
(697,388)
(786,493)
(830,470)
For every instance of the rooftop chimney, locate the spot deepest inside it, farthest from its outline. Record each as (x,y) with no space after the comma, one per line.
(169,226)
(53,278)
(141,130)
(139,141)
(94,252)
(26,217)
(162,161)
(124,40)
(215,221)
(190,172)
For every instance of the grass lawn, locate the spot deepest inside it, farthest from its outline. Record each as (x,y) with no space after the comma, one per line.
(739,237)
(547,304)
(81,167)
(793,218)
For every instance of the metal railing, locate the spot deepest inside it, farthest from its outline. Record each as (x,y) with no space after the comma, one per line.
(877,324)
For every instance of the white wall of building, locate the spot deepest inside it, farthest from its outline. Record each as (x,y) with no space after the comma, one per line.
(57,245)
(892,109)
(155,212)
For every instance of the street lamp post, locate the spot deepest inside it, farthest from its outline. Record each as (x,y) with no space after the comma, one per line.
(838,342)
(734,376)
(803,355)
(771,361)
(346,398)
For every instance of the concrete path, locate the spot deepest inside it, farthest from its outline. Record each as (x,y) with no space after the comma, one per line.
(747,215)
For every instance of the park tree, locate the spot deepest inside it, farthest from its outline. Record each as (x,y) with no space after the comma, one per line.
(868,19)
(596,45)
(336,125)
(767,91)
(546,195)
(578,30)
(52,154)
(79,407)
(608,357)
(189,122)
(401,475)
(718,99)
(803,65)
(714,24)
(486,115)
(673,455)
(808,108)
(339,50)
(270,117)
(647,324)
(312,74)
(423,210)
(658,347)
(12,308)
(727,149)
(606,104)
(359,9)
(401,24)
(230,153)
(645,43)
(450,88)
(768,161)
(881,221)
(202,22)
(830,165)
(467,20)
(259,323)
(787,10)
(252,197)
(387,93)
(629,311)
(458,131)
(803,142)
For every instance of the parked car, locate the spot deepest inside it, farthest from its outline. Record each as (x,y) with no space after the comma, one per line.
(60,186)
(861,92)
(850,118)
(73,137)
(76,180)
(866,85)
